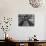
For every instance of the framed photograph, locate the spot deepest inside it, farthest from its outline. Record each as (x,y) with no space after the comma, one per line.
(26,20)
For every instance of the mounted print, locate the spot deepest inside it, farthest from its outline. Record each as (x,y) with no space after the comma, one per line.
(36,3)
(26,20)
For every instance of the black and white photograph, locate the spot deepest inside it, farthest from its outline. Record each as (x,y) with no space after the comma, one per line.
(26,19)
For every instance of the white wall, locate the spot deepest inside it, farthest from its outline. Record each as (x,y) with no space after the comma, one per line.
(12,8)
